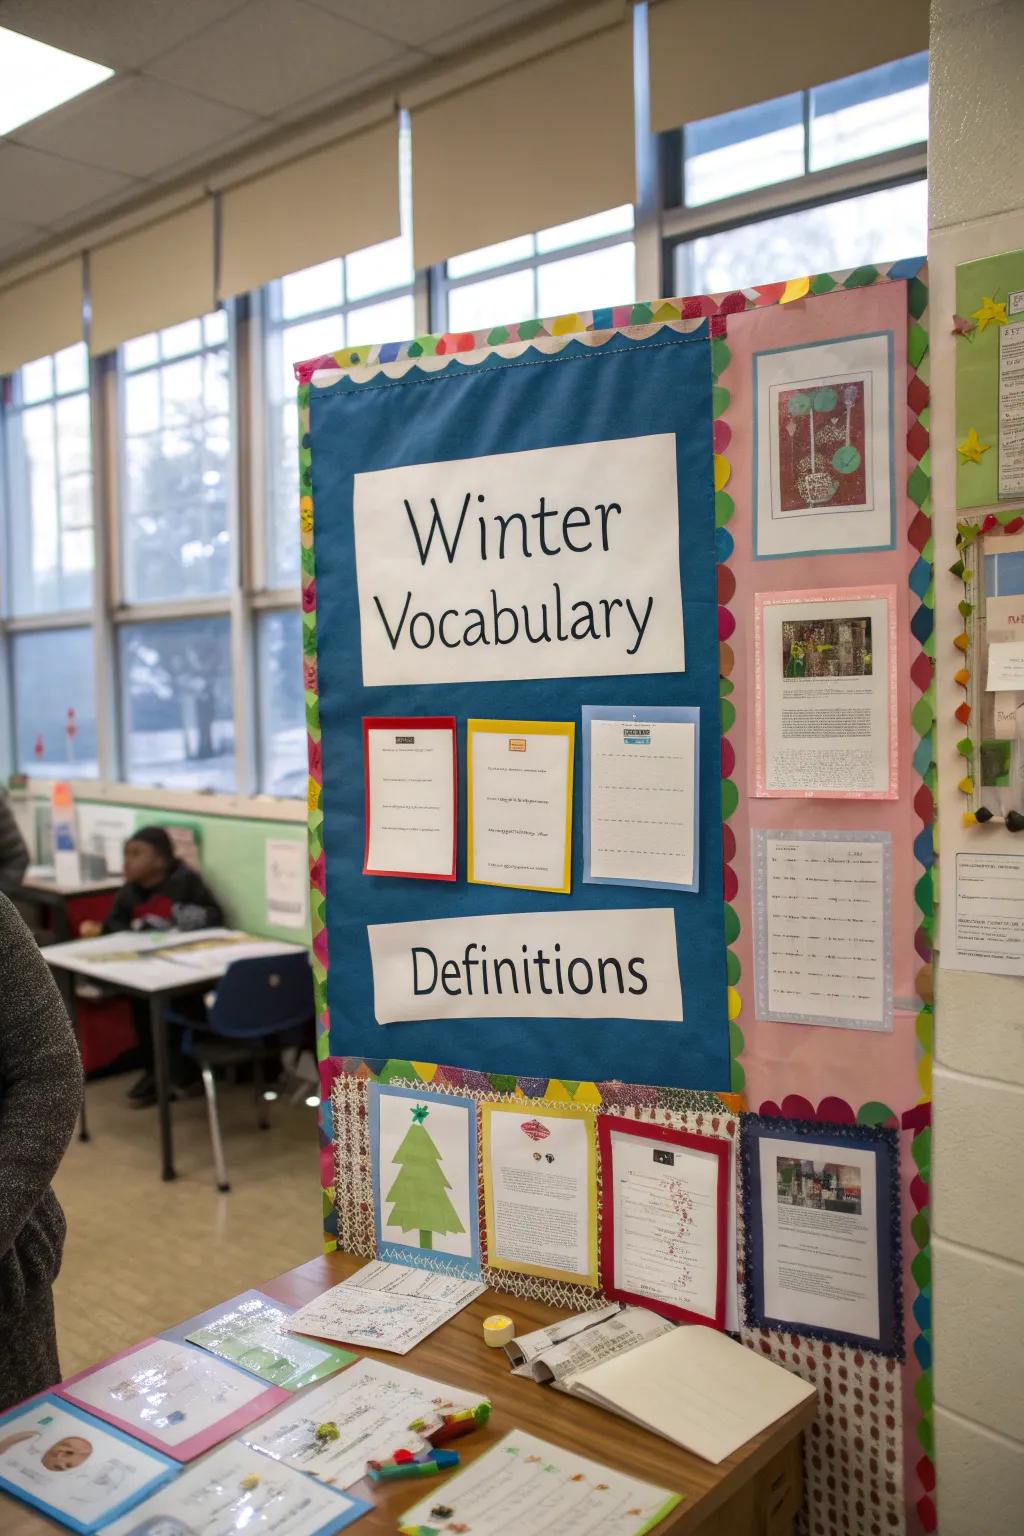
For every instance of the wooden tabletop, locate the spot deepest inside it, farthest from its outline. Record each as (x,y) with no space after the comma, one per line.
(457,1354)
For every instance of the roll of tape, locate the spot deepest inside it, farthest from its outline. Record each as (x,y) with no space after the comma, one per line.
(498,1330)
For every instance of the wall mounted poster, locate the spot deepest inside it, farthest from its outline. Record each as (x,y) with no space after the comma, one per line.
(540,1191)
(75,1470)
(825,682)
(519,789)
(423,1155)
(664,1219)
(821,1224)
(410,772)
(640,797)
(823,927)
(824,466)
(990,380)
(587,572)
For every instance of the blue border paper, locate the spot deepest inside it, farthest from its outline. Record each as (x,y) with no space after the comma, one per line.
(883,1143)
(759,871)
(168,1468)
(408,1253)
(657,715)
(804,346)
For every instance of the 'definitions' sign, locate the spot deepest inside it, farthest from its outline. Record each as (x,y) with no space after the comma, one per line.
(552,562)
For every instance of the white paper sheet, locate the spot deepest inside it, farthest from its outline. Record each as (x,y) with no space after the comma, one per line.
(236,1490)
(665,1199)
(74,1465)
(613,963)
(287,877)
(372,1405)
(1005,666)
(411,787)
(527,1347)
(385,1306)
(820,1235)
(562,1363)
(642,801)
(1011,410)
(551,562)
(827,698)
(525,1485)
(540,1196)
(822,942)
(984,928)
(519,800)
(102,832)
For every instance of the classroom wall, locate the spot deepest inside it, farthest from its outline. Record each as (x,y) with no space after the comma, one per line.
(976,188)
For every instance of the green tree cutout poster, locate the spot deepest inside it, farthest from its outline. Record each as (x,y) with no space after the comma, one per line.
(419,1195)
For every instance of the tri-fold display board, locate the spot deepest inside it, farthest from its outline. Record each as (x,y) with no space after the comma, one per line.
(617,648)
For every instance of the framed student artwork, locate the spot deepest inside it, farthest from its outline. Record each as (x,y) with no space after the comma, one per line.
(822,1223)
(665,1219)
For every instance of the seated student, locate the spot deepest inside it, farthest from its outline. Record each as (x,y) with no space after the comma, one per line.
(159,893)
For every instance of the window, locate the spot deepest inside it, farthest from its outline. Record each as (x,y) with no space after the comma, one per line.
(177,463)
(587,264)
(49,485)
(365,298)
(282,715)
(177,703)
(54,708)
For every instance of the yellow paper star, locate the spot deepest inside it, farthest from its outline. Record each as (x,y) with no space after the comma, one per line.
(972,447)
(988,310)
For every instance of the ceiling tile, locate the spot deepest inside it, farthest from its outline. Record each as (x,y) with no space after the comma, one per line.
(413,21)
(136,126)
(507,17)
(272,55)
(336,94)
(41,189)
(17,237)
(122,33)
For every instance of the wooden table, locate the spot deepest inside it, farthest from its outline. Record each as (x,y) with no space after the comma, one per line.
(756,1492)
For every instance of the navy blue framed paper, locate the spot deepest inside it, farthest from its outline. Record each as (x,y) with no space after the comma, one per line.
(821,1215)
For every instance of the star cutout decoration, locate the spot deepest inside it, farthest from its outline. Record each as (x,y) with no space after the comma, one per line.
(419,1114)
(988,311)
(962,326)
(972,447)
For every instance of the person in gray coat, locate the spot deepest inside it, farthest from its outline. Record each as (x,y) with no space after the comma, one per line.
(40,1097)
(13,853)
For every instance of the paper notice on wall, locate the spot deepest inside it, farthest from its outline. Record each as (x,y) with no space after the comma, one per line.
(826,695)
(640,800)
(519,830)
(551,562)
(410,786)
(102,832)
(287,877)
(609,963)
(540,1191)
(1011,408)
(1005,666)
(985,931)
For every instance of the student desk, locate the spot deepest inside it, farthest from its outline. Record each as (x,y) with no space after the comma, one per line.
(140,972)
(756,1492)
(45,891)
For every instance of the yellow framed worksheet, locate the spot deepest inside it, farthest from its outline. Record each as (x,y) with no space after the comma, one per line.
(519,793)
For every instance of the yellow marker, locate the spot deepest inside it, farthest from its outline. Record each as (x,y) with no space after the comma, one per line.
(498,1330)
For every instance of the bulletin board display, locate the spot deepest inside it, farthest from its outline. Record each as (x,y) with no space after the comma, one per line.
(831,370)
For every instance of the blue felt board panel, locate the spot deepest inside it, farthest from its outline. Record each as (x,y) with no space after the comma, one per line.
(627,388)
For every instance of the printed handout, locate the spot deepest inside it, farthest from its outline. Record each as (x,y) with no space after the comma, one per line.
(235,1490)
(1005,666)
(287,880)
(826,694)
(385,1306)
(250,1331)
(540,1191)
(519,789)
(984,928)
(523,1484)
(78,1471)
(423,1158)
(822,935)
(640,796)
(372,1406)
(177,1398)
(411,772)
(563,1362)
(1011,403)
(665,1226)
(527,1347)
(824,471)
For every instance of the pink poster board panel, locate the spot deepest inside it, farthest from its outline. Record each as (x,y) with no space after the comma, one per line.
(779,1058)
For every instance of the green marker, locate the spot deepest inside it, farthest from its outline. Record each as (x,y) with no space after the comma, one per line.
(405,1469)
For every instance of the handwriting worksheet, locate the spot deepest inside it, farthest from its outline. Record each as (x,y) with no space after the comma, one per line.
(640,797)
(385,1306)
(410,769)
(520,804)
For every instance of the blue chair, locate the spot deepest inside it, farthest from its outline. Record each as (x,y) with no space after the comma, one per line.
(257,1004)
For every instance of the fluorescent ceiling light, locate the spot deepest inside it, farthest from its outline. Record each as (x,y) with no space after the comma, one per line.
(35,78)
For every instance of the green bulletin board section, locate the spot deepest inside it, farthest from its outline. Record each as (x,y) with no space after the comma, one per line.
(983,307)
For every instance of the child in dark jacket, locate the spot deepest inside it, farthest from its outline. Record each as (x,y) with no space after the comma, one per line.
(159,893)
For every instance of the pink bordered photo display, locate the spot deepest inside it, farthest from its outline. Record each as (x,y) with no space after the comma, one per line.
(665,1219)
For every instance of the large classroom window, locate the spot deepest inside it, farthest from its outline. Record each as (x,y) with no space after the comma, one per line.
(196,647)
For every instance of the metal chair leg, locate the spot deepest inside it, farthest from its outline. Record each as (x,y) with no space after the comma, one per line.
(259,1078)
(210,1089)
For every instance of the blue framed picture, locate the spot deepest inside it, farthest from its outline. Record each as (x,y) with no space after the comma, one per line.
(423,1156)
(821,1213)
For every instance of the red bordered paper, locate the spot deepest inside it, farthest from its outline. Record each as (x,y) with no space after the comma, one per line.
(410,726)
(659,1136)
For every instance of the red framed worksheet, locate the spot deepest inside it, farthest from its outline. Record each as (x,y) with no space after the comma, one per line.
(410,777)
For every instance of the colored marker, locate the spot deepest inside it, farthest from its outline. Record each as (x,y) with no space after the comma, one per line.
(388,1474)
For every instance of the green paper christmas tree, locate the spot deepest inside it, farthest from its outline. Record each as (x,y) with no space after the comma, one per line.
(418,1197)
